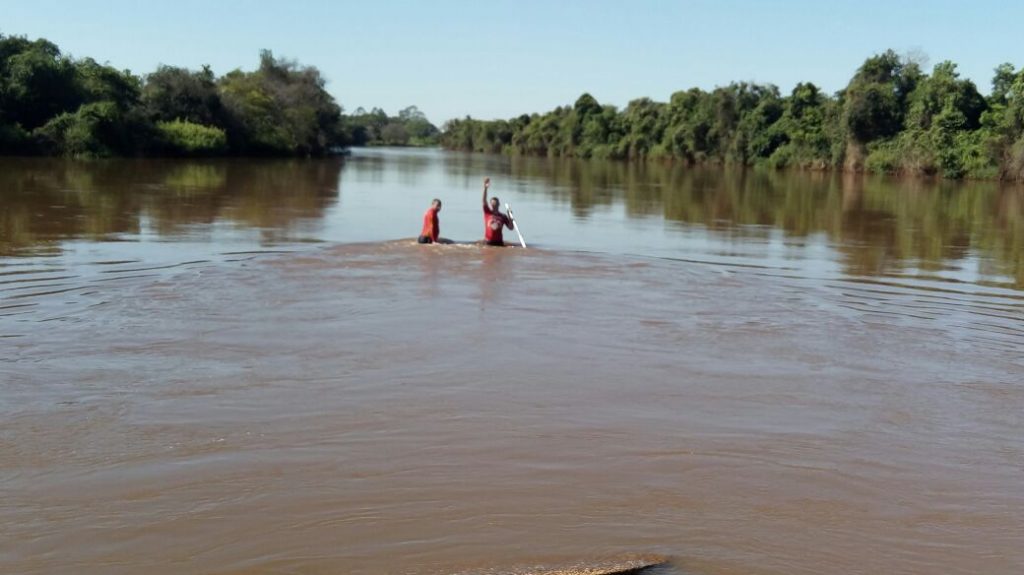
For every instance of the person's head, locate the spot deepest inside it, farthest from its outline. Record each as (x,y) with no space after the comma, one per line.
(436,205)
(495,204)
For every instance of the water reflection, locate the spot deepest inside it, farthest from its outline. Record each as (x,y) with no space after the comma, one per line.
(46,201)
(411,165)
(871,225)
(878,225)
(775,418)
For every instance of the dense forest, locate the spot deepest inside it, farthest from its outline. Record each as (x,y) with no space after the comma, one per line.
(892,117)
(52,104)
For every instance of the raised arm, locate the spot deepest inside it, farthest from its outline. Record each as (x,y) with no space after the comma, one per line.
(487,184)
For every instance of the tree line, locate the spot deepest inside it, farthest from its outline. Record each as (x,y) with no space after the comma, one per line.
(891,117)
(53,104)
(375,128)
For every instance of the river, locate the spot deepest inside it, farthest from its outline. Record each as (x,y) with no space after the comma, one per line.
(237,366)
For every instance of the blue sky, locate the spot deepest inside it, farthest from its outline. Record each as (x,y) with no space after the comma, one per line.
(500,58)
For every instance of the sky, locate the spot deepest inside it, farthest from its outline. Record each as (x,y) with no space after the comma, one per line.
(502,58)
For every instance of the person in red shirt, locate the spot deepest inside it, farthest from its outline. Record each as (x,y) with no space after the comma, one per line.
(494,220)
(431,224)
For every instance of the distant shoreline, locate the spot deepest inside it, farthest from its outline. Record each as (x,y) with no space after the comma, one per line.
(892,118)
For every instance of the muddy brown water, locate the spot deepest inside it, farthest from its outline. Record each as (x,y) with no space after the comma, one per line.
(235,367)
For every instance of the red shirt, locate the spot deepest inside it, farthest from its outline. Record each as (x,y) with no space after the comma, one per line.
(431,225)
(493,224)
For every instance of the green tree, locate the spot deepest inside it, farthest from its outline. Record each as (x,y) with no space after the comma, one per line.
(171,93)
(95,129)
(409,127)
(410,113)
(36,82)
(644,121)
(944,90)
(803,129)
(100,83)
(394,134)
(1002,83)
(281,108)
(875,99)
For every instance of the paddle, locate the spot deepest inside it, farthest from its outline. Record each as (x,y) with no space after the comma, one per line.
(515,226)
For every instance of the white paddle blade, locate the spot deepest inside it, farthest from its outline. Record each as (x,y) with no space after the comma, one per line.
(508,208)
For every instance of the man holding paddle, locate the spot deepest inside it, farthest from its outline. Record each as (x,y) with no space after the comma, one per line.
(494,220)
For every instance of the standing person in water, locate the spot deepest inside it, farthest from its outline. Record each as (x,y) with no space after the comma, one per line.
(494,220)
(431,224)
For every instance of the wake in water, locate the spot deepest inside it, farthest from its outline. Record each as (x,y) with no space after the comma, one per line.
(391,407)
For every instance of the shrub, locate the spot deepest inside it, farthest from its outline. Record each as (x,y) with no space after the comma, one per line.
(86,132)
(883,157)
(1013,167)
(782,157)
(188,139)
(13,139)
